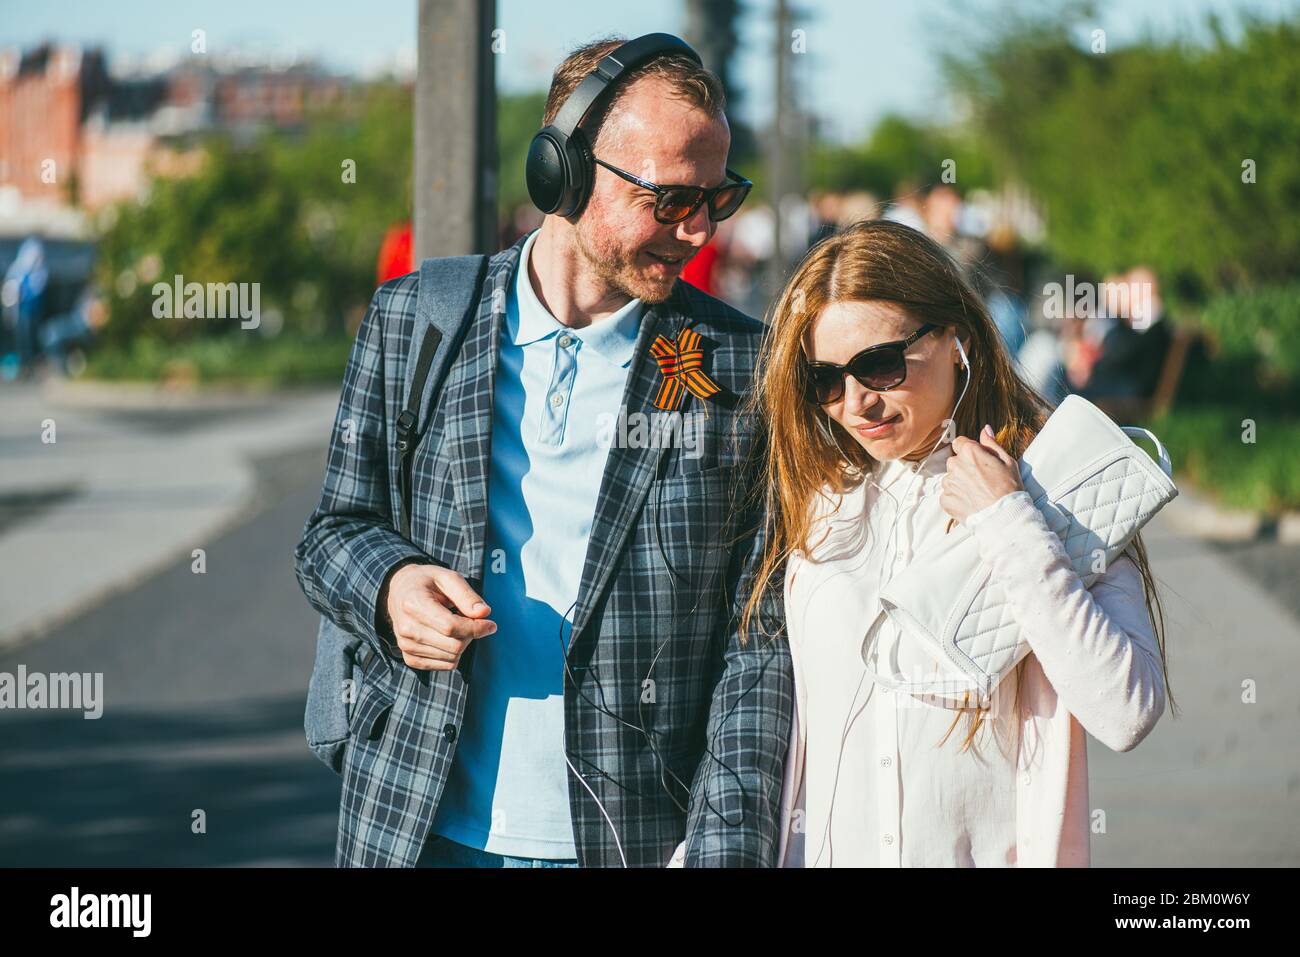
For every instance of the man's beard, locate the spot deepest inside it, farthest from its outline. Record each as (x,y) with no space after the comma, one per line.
(618,271)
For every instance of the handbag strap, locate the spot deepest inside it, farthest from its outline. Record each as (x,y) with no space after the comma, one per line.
(1166,465)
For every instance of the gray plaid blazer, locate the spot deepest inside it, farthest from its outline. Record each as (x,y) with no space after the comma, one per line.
(678,728)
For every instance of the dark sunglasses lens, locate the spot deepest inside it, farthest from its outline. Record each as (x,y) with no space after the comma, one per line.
(882,369)
(674,205)
(727,201)
(824,385)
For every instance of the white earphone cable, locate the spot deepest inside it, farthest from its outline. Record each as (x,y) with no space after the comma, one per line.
(892,531)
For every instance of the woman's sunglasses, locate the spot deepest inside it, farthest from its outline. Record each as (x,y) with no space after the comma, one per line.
(879,368)
(676,204)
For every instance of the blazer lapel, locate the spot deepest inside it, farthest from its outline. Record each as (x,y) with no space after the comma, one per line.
(628,470)
(468,394)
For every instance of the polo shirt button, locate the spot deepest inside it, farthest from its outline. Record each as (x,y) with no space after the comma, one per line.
(557,399)
(565,341)
(449,732)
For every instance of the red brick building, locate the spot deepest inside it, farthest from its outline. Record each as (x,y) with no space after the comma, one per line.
(72,135)
(45,97)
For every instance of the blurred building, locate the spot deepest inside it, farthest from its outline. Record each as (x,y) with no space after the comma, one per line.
(73,135)
(44,100)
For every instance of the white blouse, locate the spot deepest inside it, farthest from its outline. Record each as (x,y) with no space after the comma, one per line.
(880,786)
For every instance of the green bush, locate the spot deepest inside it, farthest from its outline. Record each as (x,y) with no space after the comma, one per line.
(302,216)
(228,360)
(1209,447)
(898,152)
(1261,326)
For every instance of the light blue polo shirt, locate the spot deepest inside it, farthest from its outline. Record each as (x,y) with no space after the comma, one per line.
(508,790)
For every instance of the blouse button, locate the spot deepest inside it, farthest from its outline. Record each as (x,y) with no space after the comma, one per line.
(886,761)
(889,839)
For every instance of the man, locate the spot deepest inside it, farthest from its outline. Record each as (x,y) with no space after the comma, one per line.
(1134,347)
(568,684)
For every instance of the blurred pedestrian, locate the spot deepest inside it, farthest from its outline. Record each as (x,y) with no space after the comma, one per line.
(23,296)
(701,269)
(395,254)
(65,338)
(1133,349)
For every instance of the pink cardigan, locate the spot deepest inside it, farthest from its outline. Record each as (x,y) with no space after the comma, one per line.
(1095,665)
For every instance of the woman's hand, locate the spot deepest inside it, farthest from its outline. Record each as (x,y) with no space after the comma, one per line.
(979,473)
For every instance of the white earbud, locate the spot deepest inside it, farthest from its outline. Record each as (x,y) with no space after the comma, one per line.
(962,350)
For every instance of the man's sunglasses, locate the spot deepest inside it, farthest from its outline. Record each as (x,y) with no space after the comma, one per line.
(675,204)
(879,368)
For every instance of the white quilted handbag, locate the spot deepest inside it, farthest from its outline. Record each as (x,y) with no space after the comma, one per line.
(954,630)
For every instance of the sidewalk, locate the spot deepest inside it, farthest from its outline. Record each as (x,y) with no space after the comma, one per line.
(145,480)
(1217,786)
(1220,784)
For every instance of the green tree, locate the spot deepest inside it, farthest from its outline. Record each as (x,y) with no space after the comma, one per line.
(518,118)
(899,151)
(302,216)
(1141,154)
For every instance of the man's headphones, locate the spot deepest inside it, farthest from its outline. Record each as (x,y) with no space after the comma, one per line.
(560,168)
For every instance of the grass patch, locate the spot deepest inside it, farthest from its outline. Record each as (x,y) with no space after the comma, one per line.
(228,360)
(1211,447)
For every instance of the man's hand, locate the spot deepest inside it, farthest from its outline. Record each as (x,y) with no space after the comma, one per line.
(434,615)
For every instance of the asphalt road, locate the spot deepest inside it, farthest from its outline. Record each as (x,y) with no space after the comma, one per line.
(205,677)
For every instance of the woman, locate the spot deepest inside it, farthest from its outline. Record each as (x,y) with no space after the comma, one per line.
(863,473)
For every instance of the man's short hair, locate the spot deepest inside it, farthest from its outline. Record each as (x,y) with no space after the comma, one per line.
(688,80)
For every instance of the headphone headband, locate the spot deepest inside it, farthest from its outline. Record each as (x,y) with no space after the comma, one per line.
(559,169)
(613,65)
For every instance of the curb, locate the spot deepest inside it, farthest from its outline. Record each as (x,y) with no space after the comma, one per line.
(1288,528)
(202,484)
(33,628)
(1194,513)
(97,394)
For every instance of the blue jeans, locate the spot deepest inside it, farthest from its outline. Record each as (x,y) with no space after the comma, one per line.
(439,851)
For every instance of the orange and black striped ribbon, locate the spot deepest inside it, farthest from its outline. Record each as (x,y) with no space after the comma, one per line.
(682,365)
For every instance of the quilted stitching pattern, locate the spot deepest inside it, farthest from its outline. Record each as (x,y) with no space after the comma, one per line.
(1102,513)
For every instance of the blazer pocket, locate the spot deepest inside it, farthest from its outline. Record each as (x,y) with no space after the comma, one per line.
(370,715)
(716,481)
(687,519)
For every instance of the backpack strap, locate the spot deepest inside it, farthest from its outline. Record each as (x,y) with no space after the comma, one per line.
(445,305)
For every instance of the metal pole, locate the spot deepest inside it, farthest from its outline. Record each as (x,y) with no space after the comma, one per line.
(779,146)
(455,129)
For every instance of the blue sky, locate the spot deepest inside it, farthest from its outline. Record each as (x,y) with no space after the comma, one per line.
(865,57)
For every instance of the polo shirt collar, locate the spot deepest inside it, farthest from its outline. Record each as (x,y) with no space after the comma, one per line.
(613,337)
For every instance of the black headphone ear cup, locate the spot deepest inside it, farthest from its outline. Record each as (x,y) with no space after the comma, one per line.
(546,171)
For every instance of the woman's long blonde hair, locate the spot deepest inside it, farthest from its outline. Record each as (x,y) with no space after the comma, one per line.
(879,260)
